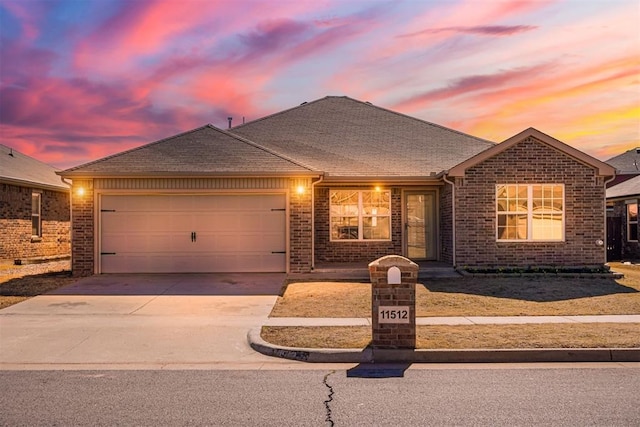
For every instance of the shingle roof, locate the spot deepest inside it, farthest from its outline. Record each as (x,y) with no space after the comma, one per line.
(627,162)
(20,169)
(203,151)
(348,138)
(628,188)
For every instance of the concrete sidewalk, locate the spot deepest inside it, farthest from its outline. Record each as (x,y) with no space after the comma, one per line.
(470,320)
(372,355)
(203,321)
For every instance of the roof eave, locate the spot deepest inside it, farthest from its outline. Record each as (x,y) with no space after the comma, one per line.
(409,180)
(33,184)
(166,174)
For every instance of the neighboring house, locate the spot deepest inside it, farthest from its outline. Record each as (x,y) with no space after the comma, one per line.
(34,209)
(623,195)
(333,181)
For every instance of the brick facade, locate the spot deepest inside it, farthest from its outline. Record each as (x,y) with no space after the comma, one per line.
(300,228)
(82,259)
(530,162)
(446,224)
(354,251)
(16,240)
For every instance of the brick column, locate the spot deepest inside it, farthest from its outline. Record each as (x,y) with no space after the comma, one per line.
(393,302)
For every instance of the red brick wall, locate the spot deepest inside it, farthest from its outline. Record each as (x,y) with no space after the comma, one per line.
(446,224)
(530,162)
(16,241)
(300,229)
(354,251)
(83,236)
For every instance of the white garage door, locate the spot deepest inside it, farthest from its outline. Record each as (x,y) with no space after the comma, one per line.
(180,233)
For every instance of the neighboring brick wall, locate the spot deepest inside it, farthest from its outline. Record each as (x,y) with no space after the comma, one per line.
(530,162)
(629,250)
(16,241)
(83,236)
(300,228)
(354,251)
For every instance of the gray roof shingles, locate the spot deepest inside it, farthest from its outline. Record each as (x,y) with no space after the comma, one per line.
(627,162)
(337,136)
(348,138)
(18,168)
(202,151)
(628,188)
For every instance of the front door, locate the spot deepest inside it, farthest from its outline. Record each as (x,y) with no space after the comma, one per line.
(420,225)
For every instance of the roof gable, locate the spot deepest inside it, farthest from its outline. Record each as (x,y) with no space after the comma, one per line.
(602,168)
(203,151)
(348,138)
(627,162)
(20,169)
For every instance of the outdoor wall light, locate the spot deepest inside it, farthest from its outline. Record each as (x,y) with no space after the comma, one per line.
(300,189)
(80,191)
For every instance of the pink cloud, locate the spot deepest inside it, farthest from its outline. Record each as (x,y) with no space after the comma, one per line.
(490,30)
(472,84)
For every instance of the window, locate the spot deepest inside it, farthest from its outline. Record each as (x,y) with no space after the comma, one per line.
(36,220)
(632,222)
(360,215)
(530,212)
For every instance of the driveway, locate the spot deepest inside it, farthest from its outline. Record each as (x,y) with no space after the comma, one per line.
(139,321)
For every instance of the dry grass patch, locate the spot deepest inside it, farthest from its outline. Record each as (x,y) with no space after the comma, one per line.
(17,289)
(512,296)
(583,335)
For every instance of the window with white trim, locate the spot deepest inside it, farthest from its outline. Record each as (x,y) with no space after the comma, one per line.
(360,215)
(530,212)
(36,209)
(632,222)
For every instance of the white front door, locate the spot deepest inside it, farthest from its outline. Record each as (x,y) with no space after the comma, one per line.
(193,233)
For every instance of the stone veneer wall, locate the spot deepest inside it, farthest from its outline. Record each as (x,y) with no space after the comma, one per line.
(354,251)
(16,241)
(530,162)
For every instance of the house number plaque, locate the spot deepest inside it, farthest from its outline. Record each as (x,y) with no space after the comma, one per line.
(393,314)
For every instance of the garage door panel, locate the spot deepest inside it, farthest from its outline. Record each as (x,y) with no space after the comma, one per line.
(233,233)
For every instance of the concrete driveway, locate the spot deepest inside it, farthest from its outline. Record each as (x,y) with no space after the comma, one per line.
(140,321)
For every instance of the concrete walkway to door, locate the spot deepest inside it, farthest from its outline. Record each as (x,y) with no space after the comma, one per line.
(140,321)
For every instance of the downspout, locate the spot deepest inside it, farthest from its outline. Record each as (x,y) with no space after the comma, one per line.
(453,217)
(313,221)
(70,184)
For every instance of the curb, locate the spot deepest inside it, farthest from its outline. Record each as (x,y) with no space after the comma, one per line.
(370,355)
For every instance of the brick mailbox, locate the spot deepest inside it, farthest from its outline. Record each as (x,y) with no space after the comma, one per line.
(393,302)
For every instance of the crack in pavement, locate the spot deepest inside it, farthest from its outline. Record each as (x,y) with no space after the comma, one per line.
(327,402)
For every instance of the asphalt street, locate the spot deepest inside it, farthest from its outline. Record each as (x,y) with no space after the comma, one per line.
(357,395)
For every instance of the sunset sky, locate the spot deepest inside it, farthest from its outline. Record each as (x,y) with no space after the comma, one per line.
(83,79)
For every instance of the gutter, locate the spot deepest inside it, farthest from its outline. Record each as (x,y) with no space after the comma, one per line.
(453,216)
